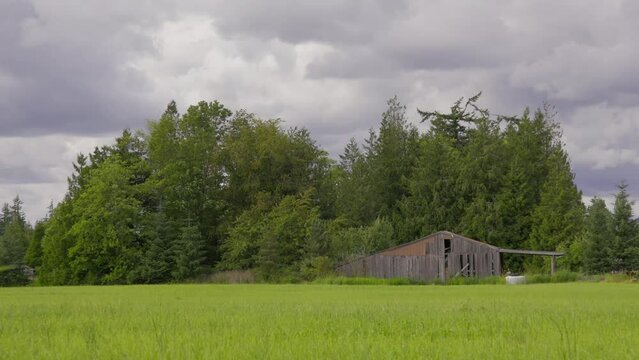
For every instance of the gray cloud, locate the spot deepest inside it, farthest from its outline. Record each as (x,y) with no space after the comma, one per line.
(64,68)
(74,73)
(330,21)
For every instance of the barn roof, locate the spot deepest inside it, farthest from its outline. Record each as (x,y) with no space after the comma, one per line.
(532,252)
(446,235)
(450,235)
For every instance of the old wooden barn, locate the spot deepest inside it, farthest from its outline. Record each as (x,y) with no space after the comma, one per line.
(437,256)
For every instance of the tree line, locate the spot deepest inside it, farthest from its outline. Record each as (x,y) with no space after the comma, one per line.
(212,190)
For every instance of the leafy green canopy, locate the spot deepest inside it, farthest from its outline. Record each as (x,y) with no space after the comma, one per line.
(212,190)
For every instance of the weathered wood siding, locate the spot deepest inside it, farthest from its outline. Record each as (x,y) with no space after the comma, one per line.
(441,255)
(397,266)
(482,259)
(425,246)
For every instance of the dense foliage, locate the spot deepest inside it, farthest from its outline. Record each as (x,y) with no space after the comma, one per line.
(212,190)
(15,233)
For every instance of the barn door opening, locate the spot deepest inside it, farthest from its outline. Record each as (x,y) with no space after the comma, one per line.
(447,260)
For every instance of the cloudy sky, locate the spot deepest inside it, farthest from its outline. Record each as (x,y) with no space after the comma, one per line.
(74,73)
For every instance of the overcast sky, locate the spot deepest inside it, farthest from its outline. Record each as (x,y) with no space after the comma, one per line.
(74,73)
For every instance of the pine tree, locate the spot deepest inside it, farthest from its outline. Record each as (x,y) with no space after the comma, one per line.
(353,188)
(454,125)
(14,243)
(395,154)
(483,168)
(626,249)
(17,214)
(189,253)
(14,239)
(156,261)
(33,256)
(600,238)
(5,217)
(558,217)
(351,157)
(434,202)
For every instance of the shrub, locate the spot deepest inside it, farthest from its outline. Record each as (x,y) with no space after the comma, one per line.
(564,276)
(13,276)
(230,277)
(317,267)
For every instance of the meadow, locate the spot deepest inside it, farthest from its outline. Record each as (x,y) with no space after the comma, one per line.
(316,321)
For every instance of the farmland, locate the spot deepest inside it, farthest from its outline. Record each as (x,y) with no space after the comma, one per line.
(577,320)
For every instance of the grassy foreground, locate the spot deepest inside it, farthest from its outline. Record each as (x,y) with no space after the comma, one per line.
(563,321)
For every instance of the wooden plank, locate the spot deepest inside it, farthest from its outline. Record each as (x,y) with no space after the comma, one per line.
(531,252)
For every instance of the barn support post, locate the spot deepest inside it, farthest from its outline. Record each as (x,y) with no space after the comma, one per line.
(553,265)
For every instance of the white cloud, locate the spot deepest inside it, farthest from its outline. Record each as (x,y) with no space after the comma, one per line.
(582,72)
(603,136)
(90,68)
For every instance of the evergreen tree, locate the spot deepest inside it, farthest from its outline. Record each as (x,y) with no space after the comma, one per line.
(454,125)
(353,186)
(625,246)
(189,253)
(16,233)
(5,217)
(393,157)
(33,256)
(14,243)
(599,234)
(558,218)
(434,202)
(483,170)
(156,260)
(17,214)
(351,157)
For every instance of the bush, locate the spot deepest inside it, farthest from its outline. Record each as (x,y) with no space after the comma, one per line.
(319,266)
(564,276)
(229,277)
(13,276)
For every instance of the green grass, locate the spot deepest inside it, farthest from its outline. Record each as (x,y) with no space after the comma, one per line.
(542,321)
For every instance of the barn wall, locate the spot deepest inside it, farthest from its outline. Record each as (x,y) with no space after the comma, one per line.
(471,258)
(419,248)
(423,267)
(429,259)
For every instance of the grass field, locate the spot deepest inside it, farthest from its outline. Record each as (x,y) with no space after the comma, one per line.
(561,321)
